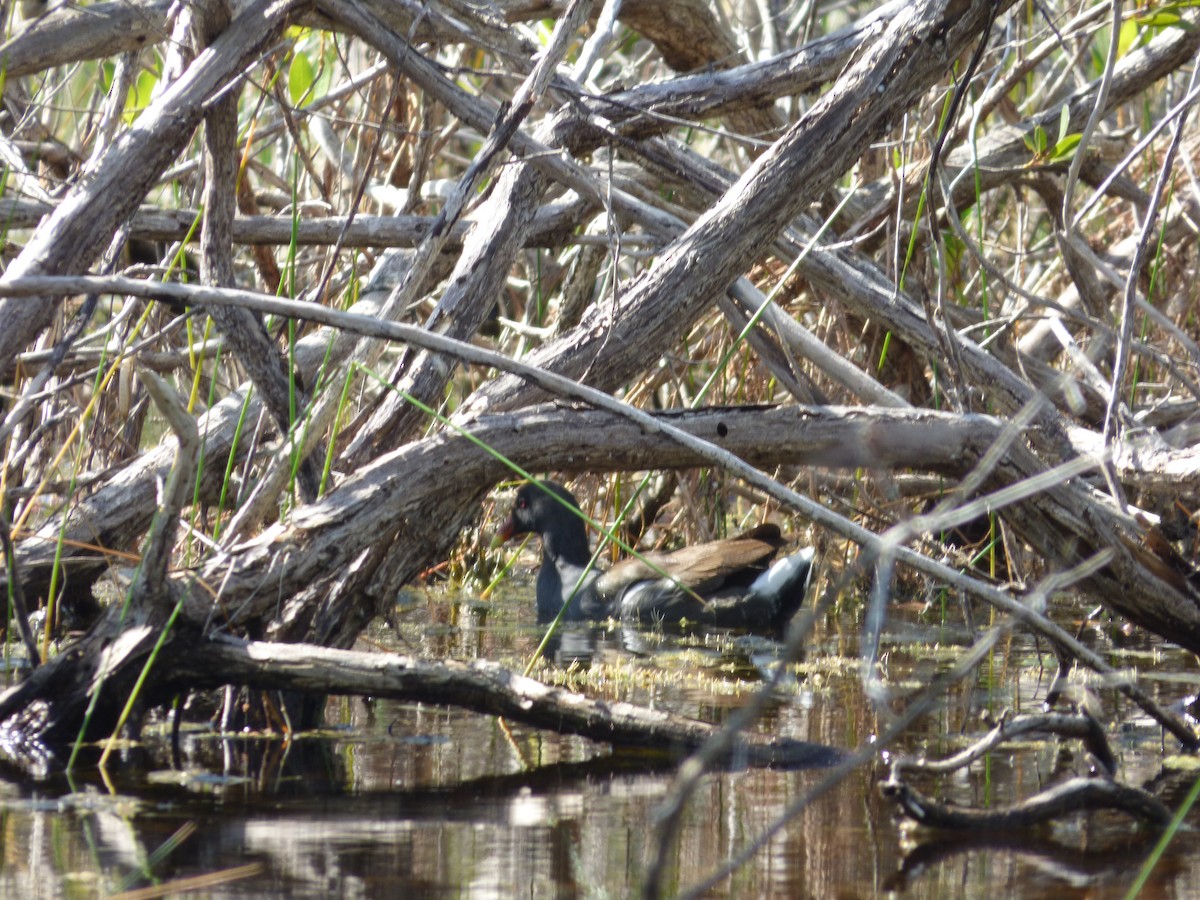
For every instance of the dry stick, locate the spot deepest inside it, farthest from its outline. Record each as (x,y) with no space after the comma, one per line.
(1072,796)
(952,363)
(748,216)
(101,30)
(508,120)
(706,94)
(246,335)
(480,271)
(72,35)
(113,109)
(558,384)
(152,574)
(1076,725)
(478,278)
(552,226)
(151,588)
(798,338)
(84,222)
(597,43)
(1125,338)
(1071,223)
(20,608)
(1138,150)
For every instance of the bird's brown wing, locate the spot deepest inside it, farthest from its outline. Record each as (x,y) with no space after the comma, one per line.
(701,567)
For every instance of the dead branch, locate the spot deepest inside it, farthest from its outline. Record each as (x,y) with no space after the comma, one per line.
(1010,728)
(481,686)
(152,574)
(552,226)
(83,224)
(19,604)
(1074,796)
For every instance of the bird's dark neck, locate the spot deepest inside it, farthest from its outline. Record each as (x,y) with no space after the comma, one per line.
(567,544)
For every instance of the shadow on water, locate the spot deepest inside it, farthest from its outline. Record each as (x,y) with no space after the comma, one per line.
(1046,864)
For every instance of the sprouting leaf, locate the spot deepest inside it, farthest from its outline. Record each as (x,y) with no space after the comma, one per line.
(300,77)
(1064,122)
(1159,19)
(1065,148)
(141,92)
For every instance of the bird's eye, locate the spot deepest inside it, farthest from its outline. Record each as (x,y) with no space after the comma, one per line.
(522,503)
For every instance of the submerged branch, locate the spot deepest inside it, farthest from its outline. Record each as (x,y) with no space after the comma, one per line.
(481,686)
(1074,796)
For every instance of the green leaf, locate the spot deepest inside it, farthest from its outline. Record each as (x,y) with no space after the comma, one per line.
(1064,122)
(141,92)
(300,77)
(1158,19)
(1128,37)
(1065,148)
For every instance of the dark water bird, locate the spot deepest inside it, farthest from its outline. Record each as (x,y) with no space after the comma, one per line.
(728,583)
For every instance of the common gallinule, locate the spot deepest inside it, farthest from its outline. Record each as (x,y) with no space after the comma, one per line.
(730,583)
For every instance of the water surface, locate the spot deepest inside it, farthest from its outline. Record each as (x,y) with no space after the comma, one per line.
(412,800)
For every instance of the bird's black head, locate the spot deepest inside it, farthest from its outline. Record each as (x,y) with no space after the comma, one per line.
(535,511)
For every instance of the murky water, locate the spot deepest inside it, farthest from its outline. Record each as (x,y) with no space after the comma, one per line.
(406,800)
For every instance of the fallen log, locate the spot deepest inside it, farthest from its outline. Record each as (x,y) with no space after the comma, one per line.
(192,663)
